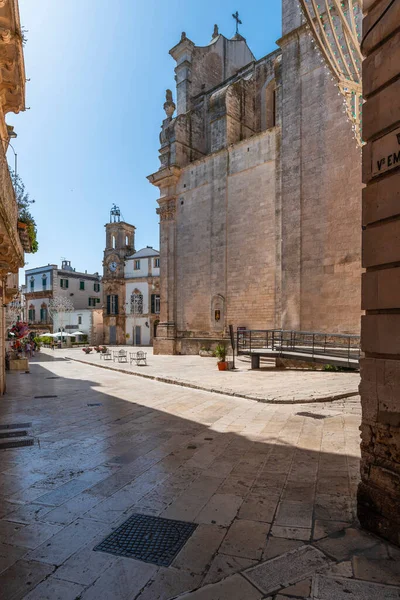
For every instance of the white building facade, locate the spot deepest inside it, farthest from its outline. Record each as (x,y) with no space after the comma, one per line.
(142,296)
(42,284)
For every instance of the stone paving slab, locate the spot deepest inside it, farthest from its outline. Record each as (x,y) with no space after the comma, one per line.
(265,385)
(172,451)
(328,588)
(287,569)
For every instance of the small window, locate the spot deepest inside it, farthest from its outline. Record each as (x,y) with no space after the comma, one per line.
(113,241)
(137,265)
(64,284)
(92,301)
(32,284)
(81,285)
(155,304)
(44,282)
(96,287)
(79,320)
(156,263)
(112,304)
(32,314)
(127,241)
(43,314)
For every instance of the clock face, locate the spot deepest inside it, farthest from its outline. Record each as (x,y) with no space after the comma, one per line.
(113,266)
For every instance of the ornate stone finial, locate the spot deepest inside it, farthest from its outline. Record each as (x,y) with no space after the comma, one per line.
(183,36)
(216,32)
(169,104)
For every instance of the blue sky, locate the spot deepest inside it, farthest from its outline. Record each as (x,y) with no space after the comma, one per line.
(98,72)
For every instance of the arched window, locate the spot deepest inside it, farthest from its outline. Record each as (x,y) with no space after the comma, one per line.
(44,282)
(113,241)
(136,303)
(126,240)
(43,313)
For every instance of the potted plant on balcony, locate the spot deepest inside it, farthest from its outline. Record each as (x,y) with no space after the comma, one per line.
(220,353)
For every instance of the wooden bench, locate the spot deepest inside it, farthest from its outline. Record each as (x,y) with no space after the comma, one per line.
(120,355)
(138,357)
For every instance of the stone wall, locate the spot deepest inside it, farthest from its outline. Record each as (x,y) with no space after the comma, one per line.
(321,190)
(225,245)
(379,491)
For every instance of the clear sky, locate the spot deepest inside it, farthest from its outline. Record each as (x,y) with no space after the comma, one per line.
(98,71)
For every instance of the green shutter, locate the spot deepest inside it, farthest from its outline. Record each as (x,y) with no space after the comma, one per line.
(108,304)
(153,304)
(116,305)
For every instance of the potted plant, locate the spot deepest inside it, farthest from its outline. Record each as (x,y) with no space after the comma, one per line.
(103,349)
(220,353)
(87,350)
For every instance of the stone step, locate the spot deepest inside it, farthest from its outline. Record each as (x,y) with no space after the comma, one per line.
(17,442)
(13,433)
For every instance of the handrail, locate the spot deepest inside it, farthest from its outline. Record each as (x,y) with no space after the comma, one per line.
(309,343)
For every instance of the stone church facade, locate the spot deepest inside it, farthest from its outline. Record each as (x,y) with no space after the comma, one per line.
(259,193)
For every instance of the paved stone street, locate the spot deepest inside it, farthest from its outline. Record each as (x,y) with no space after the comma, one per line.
(270,487)
(266,384)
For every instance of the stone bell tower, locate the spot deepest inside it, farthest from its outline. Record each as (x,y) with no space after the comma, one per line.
(120,243)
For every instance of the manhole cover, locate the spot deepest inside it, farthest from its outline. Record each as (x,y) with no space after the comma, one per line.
(147,538)
(311,415)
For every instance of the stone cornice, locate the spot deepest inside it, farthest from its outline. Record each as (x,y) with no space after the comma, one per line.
(166,176)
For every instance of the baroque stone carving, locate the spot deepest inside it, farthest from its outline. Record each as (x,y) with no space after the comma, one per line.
(167,211)
(169,105)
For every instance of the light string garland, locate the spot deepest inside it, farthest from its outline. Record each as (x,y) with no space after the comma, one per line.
(334,29)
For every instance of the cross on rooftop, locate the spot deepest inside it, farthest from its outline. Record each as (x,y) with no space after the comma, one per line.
(238,21)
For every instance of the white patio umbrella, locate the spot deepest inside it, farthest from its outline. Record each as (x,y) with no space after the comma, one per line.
(78,333)
(46,335)
(61,334)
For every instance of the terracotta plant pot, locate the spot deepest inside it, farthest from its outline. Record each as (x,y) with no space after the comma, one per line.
(222,365)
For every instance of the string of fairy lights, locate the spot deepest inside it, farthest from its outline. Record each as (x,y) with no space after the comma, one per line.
(334,29)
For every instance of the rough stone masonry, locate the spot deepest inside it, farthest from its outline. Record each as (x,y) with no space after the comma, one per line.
(379,491)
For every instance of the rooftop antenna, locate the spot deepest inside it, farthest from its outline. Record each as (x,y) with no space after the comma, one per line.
(238,21)
(115,214)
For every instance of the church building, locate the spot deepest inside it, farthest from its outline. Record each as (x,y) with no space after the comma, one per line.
(260,193)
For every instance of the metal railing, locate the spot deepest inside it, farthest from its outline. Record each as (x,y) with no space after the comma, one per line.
(310,344)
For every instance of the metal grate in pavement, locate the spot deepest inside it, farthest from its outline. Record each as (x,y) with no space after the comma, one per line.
(95,404)
(150,539)
(40,397)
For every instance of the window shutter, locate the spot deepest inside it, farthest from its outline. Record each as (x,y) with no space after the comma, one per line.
(67,283)
(153,304)
(116,305)
(108,304)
